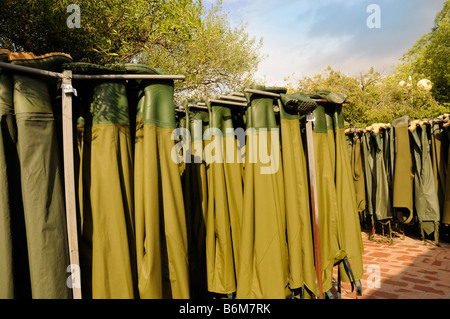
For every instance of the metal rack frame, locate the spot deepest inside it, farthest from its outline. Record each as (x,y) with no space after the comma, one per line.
(68,147)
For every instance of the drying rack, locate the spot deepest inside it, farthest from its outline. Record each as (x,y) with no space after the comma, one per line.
(68,149)
(234,99)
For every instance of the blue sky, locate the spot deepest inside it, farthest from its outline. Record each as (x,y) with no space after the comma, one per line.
(305,36)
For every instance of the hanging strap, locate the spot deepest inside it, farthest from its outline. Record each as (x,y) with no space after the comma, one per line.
(353,282)
(328,295)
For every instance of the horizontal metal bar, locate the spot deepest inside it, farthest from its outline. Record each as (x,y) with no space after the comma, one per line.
(262,92)
(237,94)
(127,77)
(198,106)
(278,95)
(233,98)
(21,68)
(228,102)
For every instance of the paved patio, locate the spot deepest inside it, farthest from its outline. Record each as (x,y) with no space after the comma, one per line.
(407,269)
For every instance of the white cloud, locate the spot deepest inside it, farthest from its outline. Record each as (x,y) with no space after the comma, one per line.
(305,36)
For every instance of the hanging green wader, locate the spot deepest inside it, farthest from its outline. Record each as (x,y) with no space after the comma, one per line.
(225,195)
(446,212)
(326,195)
(383,206)
(105,190)
(347,226)
(160,221)
(262,267)
(358,173)
(195,192)
(298,219)
(41,175)
(350,229)
(402,199)
(14,272)
(369,163)
(439,145)
(426,201)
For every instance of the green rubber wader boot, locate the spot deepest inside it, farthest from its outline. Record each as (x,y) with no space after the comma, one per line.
(403,175)
(195,193)
(426,200)
(105,187)
(298,219)
(350,229)
(14,270)
(263,248)
(446,212)
(225,198)
(160,221)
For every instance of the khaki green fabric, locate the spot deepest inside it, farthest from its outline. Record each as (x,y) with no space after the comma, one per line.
(328,205)
(349,226)
(446,212)
(357,166)
(195,192)
(161,238)
(41,177)
(426,201)
(439,145)
(383,206)
(369,163)
(298,220)
(107,254)
(262,268)
(403,174)
(14,272)
(7,141)
(225,198)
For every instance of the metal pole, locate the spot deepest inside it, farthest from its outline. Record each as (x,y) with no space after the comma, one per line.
(314,202)
(21,68)
(68,150)
(276,95)
(69,179)
(228,103)
(233,98)
(127,77)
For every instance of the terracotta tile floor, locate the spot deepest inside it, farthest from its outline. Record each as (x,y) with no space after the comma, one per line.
(407,269)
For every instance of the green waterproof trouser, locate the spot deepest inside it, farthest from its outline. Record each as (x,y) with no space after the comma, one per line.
(327,199)
(426,201)
(383,206)
(105,189)
(14,272)
(298,220)
(439,145)
(41,177)
(369,164)
(357,166)
(195,192)
(262,268)
(446,211)
(160,221)
(402,198)
(349,226)
(225,196)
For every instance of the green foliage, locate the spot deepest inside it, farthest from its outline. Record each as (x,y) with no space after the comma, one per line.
(373,98)
(377,98)
(216,59)
(430,56)
(180,36)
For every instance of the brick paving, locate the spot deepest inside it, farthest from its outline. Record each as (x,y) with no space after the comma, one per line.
(408,269)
